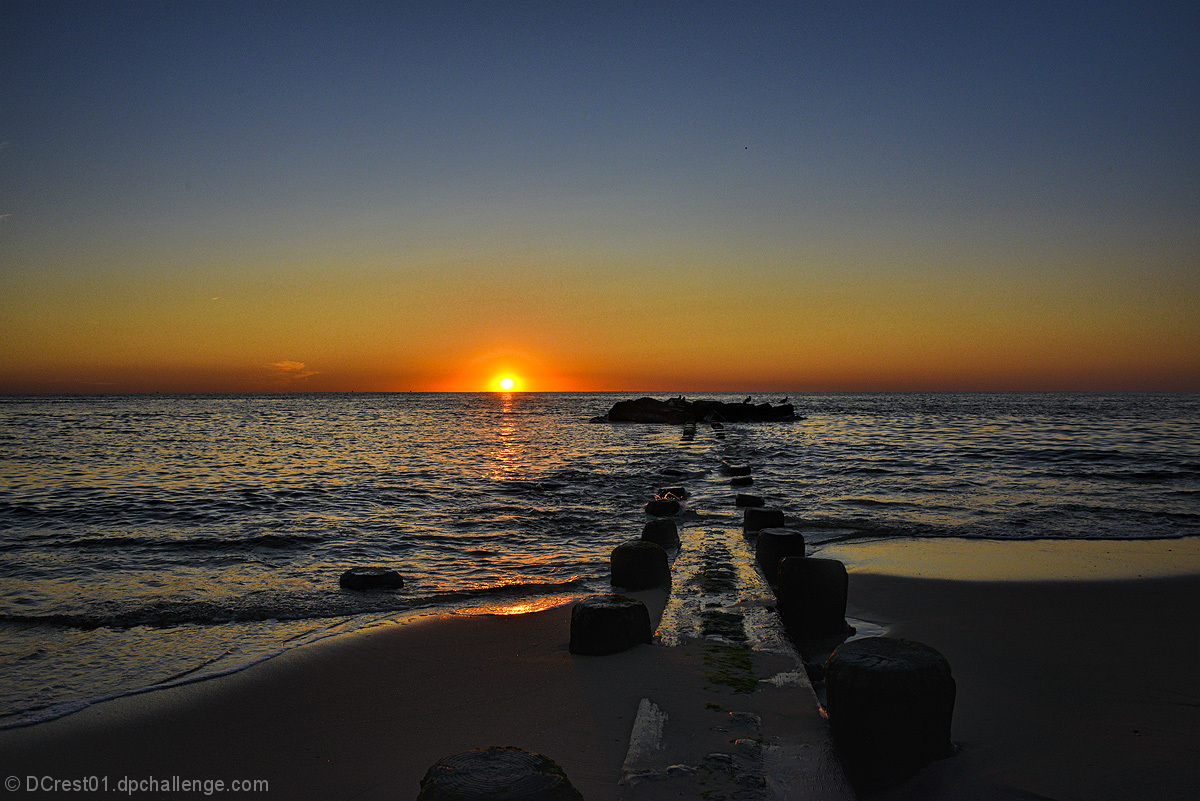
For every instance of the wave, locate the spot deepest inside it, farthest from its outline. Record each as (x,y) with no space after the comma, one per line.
(165,614)
(45,712)
(148,542)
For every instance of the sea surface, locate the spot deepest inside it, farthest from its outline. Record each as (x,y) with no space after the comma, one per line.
(157,539)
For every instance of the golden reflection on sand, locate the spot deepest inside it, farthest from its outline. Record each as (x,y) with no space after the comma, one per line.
(1018,560)
(520,607)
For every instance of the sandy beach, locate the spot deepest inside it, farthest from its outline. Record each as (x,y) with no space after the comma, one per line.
(1084,688)
(1067,689)
(366,715)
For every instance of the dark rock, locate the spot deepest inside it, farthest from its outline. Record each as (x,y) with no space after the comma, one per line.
(370,578)
(499,773)
(676,411)
(639,565)
(759,517)
(744,499)
(673,493)
(730,469)
(774,544)
(606,624)
(662,508)
(812,596)
(890,703)
(661,530)
(815,671)
(741,481)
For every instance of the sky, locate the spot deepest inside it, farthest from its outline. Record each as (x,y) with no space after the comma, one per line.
(599,196)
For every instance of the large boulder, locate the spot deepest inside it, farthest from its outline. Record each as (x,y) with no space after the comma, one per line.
(774,544)
(890,703)
(812,596)
(639,565)
(648,410)
(370,578)
(661,530)
(676,410)
(607,624)
(499,773)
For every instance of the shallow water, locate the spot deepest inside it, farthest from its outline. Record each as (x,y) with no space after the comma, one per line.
(155,538)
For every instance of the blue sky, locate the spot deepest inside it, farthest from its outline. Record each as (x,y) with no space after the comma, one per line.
(514,177)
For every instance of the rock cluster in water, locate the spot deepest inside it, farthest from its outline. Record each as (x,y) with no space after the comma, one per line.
(682,411)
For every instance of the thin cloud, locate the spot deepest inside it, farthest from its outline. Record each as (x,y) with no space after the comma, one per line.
(291,370)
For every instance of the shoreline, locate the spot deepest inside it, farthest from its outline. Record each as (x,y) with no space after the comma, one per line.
(1076,688)
(370,712)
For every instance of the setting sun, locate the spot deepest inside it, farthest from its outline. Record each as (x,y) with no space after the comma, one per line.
(507,383)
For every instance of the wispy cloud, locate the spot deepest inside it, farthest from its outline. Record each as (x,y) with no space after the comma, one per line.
(290,370)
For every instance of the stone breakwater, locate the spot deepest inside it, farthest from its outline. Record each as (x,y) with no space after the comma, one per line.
(681,411)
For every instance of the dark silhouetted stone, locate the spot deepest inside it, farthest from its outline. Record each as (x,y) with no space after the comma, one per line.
(606,624)
(499,773)
(759,517)
(735,469)
(673,493)
(662,508)
(652,410)
(640,565)
(661,530)
(370,578)
(774,544)
(890,703)
(812,595)
(745,499)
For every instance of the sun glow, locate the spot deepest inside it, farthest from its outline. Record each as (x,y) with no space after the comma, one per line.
(507,383)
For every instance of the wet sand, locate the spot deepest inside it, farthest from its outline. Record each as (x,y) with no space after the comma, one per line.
(1067,689)
(364,716)
(1087,688)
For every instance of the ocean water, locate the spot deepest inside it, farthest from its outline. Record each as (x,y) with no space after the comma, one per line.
(156,539)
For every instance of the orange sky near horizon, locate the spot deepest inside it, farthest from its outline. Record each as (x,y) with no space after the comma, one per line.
(717,330)
(423,197)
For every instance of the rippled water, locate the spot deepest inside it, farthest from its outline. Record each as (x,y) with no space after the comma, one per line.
(146,539)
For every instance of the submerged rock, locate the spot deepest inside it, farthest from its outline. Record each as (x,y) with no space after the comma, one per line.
(744,499)
(673,494)
(499,773)
(607,624)
(370,578)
